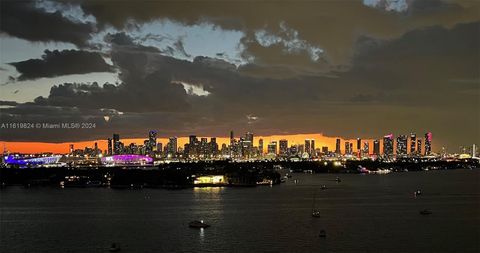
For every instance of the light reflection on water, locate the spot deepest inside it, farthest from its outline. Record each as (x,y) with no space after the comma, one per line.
(374,213)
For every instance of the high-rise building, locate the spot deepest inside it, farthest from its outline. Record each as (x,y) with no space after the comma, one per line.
(428,143)
(312,147)
(152,140)
(402,141)
(232,138)
(419,146)
(272,147)
(376,147)
(366,149)
(159,147)
(388,145)
(351,147)
(413,142)
(307,146)
(116,144)
(359,144)
(213,146)
(324,149)
(347,148)
(71,149)
(260,146)
(337,146)
(172,146)
(95,148)
(283,145)
(109,146)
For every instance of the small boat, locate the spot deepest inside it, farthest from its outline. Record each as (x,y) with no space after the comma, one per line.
(338,180)
(322,234)
(324,187)
(114,248)
(198,224)
(315,211)
(425,212)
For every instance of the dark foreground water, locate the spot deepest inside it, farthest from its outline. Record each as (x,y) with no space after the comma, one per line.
(363,213)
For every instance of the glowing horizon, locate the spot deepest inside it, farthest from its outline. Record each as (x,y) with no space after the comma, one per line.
(63,147)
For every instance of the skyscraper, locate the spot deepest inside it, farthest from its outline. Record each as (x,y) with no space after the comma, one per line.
(337,146)
(307,146)
(116,144)
(366,149)
(109,144)
(260,146)
(152,140)
(402,141)
(232,138)
(272,147)
(376,147)
(347,148)
(359,144)
(172,146)
(428,143)
(419,146)
(413,142)
(283,144)
(312,147)
(388,145)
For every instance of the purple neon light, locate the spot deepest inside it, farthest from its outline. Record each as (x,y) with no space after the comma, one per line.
(127,159)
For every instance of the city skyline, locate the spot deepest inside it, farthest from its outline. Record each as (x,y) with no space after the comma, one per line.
(350,69)
(310,143)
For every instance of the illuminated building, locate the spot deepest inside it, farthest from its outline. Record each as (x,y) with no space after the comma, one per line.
(71,149)
(152,141)
(31,161)
(337,146)
(116,144)
(214,179)
(127,160)
(376,147)
(347,148)
(109,143)
(413,143)
(359,144)
(402,141)
(283,147)
(159,147)
(260,146)
(272,147)
(324,149)
(366,149)
(213,146)
(312,147)
(307,146)
(428,143)
(388,145)
(419,146)
(172,146)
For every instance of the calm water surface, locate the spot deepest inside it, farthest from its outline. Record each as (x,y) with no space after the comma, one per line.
(362,213)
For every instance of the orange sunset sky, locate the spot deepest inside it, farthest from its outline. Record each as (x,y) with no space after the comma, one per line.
(63,148)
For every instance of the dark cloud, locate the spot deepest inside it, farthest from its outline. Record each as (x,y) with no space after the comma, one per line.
(58,63)
(330,25)
(421,81)
(23,20)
